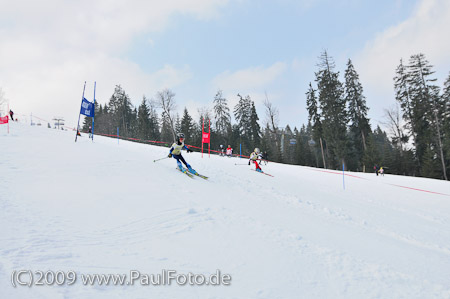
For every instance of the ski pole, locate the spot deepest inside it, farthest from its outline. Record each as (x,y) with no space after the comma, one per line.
(160,159)
(240,164)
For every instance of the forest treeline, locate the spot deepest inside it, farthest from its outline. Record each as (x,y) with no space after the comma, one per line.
(338,132)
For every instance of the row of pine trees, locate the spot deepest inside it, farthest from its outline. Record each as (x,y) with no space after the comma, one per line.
(338,133)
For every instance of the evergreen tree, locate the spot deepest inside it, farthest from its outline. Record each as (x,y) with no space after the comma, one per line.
(104,121)
(437,121)
(313,113)
(177,123)
(121,112)
(153,121)
(187,125)
(371,155)
(422,107)
(242,114)
(357,112)
(298,154)
(255,129)
(314,121)
(430,165)
(403,96)
(333,107)
(143,121)
(133,123)
(418,68)
(446,122)
(222,117)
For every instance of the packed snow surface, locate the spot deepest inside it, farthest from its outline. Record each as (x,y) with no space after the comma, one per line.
(105,207)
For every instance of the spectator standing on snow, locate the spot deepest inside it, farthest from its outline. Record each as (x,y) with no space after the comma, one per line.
(229,151)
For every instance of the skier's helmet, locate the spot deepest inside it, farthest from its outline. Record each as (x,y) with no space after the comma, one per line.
(180,135)
(257,150)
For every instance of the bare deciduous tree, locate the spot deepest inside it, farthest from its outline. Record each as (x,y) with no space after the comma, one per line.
(394,123)
(166,101)
(272,118)
(205,113)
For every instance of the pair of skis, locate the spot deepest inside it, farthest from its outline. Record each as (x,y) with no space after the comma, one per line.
(263,172)
(191,173)
(254,169)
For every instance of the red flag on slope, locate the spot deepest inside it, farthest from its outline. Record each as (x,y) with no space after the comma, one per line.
(4,120)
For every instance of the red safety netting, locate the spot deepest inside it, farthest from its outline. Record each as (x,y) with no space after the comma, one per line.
(159,142)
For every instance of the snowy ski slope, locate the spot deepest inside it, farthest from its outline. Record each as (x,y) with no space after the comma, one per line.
(104,207)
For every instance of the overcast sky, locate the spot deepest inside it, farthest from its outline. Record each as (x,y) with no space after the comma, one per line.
(48,49)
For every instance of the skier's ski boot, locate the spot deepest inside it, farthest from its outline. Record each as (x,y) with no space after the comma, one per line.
(181,168)
(259,170)
(190,169)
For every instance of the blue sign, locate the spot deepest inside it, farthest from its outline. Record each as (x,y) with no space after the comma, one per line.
(87,108)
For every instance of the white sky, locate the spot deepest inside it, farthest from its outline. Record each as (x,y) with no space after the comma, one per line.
(49,48)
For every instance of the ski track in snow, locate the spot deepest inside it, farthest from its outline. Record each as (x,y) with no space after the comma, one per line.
(106,208)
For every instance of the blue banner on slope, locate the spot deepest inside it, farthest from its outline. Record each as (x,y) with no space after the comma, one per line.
(87,108)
